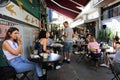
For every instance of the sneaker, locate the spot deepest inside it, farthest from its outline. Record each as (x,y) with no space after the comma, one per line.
(76,52)
(104,65)
(58,67)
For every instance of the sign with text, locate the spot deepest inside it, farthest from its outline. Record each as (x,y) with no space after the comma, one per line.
(16,12)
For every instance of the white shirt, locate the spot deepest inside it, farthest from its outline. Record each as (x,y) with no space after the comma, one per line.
(9,55)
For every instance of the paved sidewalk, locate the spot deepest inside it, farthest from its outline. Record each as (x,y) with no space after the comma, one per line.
(79,71)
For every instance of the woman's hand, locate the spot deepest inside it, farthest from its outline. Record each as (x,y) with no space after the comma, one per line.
(19,40)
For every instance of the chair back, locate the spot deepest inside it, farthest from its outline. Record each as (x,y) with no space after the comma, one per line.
(3,60)
(113,70)
(6,71)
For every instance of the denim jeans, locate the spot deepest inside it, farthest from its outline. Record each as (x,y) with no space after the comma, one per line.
(21,64)
(68,47)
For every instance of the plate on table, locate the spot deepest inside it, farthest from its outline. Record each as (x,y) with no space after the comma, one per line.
(34,56)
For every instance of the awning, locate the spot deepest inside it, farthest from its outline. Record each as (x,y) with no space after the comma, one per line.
(69,8)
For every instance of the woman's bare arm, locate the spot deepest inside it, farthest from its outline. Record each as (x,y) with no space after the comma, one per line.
(7,47)
(45,45)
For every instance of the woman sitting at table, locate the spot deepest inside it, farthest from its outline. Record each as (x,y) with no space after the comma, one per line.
(111,52)
(94,49)
(42,42)
(12,48)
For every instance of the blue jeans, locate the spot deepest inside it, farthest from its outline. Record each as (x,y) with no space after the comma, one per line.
(68,47)
(21,64)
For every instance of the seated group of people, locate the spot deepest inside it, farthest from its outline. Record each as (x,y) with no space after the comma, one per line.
(12,48)
(114,54)
(95,50)
(90,45)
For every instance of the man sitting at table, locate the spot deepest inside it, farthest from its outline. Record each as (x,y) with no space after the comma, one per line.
(111,53)
(115,57)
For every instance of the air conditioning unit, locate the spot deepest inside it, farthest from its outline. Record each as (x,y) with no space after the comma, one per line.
(4,3)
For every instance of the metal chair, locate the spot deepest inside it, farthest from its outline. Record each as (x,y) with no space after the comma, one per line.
(116,75)
(23,74)
(82,52)
(96,58)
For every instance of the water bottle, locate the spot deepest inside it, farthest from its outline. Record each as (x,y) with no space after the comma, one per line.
(102,57)
(56,52)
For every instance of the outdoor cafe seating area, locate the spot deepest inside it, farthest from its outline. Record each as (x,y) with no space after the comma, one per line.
(79,65)
(82,66)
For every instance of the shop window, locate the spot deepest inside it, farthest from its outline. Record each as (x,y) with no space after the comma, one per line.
(111,11)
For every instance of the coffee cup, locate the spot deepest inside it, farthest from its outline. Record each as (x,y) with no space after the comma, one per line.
(35,52)
(45,55)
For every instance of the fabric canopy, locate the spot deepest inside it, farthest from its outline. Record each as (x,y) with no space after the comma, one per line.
(69,8)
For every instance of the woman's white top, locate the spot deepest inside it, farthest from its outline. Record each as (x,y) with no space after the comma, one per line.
(9,55)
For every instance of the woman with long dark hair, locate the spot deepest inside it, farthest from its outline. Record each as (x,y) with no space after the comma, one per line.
(42,42)
(12,48)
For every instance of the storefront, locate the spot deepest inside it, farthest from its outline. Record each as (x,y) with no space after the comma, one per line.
(28,25)
(111,18)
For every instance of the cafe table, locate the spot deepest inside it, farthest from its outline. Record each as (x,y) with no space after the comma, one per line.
(105,50)
(52,58)
(57,47)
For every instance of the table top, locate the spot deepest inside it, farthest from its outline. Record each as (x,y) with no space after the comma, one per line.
(56,45)
(52,57)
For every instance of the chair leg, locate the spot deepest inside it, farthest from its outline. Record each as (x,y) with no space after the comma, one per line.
(115,76)
(23,76)
(27,76)
(81,57)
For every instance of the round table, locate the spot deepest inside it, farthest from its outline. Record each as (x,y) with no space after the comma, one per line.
(52,58)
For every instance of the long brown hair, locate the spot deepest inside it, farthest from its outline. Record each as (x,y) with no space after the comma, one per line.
(10,31)
(92,39)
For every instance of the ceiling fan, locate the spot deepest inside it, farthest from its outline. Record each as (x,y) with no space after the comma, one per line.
(4,3)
